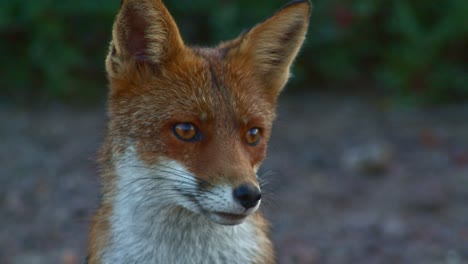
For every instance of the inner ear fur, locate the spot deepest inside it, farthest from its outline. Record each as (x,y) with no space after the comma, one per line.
(270,47)
(143,31)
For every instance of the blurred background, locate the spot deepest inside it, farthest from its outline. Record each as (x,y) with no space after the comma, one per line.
(369,154)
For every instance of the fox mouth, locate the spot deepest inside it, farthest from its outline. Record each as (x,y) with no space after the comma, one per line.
(234,217)
(226,218)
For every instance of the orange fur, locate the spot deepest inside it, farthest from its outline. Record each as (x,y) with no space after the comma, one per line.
(157,81)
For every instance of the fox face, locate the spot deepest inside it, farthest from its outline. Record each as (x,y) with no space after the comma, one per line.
(189,126)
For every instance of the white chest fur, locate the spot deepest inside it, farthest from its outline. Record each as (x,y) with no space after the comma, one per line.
(182,238)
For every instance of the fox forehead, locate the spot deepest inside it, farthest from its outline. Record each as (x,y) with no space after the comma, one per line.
(201,85)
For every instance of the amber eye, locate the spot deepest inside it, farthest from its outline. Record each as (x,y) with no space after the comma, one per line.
(186,132)
(253,136)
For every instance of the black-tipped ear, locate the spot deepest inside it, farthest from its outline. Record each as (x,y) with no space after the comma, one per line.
(143,31)
(271,47)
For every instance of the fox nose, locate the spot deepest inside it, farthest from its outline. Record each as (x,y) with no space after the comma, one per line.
(247,195)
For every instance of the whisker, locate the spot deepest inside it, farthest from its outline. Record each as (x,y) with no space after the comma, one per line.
(182,175)
(174,172)
(179,173)
(268,188)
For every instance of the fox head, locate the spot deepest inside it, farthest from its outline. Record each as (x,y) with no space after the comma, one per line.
(191,125)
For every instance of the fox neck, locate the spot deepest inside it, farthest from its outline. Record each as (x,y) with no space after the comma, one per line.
(149,229)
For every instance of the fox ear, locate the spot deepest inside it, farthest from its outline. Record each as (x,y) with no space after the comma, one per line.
(271,46)
(143,31)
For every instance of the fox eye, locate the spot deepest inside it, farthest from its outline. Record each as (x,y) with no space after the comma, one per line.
(186,132)
(252,137)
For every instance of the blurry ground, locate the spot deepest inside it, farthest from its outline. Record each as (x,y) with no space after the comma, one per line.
(354,182)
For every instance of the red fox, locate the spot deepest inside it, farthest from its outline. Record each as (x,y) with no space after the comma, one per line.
(188,129)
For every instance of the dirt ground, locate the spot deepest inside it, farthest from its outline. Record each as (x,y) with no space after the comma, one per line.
(354,181)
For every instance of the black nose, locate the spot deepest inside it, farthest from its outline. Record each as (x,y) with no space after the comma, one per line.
(248,195)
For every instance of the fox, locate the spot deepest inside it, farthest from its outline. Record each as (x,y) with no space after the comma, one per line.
(187,131)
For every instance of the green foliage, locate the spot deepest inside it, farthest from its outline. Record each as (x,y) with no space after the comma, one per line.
(414,49)
(54,48)
(431,49)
